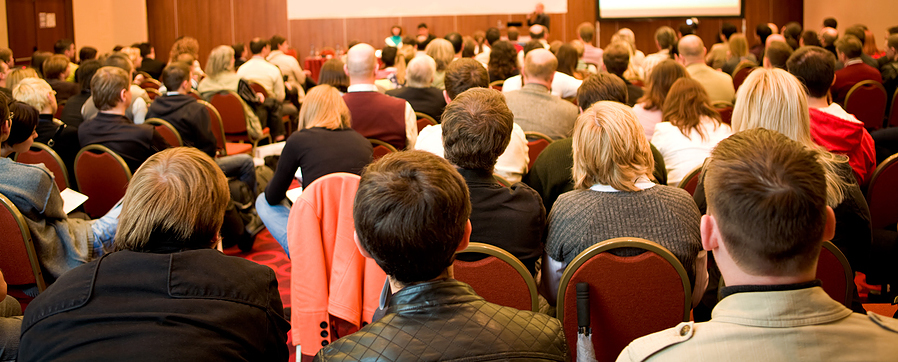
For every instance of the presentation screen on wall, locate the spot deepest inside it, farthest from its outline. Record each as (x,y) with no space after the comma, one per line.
(628,9)
(338,9)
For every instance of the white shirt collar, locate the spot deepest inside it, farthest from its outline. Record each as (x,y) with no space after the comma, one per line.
(361,88)
(642,183)
(854,61)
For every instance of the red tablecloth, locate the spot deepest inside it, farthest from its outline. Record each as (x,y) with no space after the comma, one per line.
(313,64)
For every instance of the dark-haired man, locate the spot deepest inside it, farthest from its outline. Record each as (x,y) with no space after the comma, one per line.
(717,55)
(149,64)
(415,206)
(776,55)
(616,59)
(111,95)
(288,65)
(492,35)
(424,36)
(766,244)
(67,47)
(832,127)
(849,50)
(260,71)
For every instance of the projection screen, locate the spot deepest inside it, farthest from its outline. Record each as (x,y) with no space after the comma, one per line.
(630,9)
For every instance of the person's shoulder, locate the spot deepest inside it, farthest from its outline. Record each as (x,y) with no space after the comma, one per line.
(644,347)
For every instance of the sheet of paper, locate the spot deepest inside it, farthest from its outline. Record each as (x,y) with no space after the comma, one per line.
(293,194)
(71,199)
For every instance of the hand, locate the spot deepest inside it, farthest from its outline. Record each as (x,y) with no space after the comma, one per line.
(261,97)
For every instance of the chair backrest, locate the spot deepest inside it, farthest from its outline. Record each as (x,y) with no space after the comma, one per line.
(743,69)
(424,120)
(835,273)
(536,143)
(893,114)
(867,100)
(690,181)
(258,88)
(153,93)
(230,109)
(381,148)
(19,263)
(726,114)
(41,153)
(497,84)
(59,107)
(502,180)
(193,93)
(630,297)
(881,195)
(217,128)
(103,176)
(169,132)
(150,83)
(499,278)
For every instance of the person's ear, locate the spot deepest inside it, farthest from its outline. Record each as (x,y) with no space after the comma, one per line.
(466,238)
(358,244)
(829,228)
(710,233)
(123,95)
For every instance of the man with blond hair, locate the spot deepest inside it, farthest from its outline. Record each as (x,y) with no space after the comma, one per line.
(766,244)
(56,71)
(535,108)
(418,91)
(50,131)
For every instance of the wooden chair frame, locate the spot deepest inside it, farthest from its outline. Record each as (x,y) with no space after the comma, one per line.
(164,123)
(497,83)
(502,180)
(537,135)
(617,243)
(29,243)
(377,142)
(65,172)
(430,119)
(506,257)
(690,175)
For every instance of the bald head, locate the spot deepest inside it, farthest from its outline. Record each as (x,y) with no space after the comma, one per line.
(773,38)
(537,32)
(361,63)
(540,66)
(692,49)
(828,36)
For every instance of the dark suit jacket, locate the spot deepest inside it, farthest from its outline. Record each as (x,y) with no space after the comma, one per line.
(133,142)
(429,101)
(153,67)
(849,76)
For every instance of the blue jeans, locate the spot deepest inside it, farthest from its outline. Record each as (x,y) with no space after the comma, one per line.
(240,166)
(275,219)
(104,230)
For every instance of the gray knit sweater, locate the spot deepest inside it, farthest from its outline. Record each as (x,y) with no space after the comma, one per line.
(663,214)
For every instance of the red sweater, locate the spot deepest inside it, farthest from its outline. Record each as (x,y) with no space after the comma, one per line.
(378,116)
(847,138)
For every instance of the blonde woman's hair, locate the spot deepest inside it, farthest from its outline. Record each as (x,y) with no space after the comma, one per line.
(610,148)
(33,92)
(442,52)
(219,60)
(404,56)
(738,45)
(324,107)
(776,100)
(192,211)
(18,75)
(184,45)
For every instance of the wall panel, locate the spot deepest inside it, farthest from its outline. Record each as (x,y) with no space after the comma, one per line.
(209,21)
(161,26)
(255,18)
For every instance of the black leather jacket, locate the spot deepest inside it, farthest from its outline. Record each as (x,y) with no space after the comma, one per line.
(445,320)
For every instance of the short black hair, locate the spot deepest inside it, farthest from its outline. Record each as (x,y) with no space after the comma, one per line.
(62,45)
(276,40)
(422,25)
(145,49)
(388,56)
(257,45)
(463,74)
(87,53)
(411,211)
(493,35)
(533,44)
(763,31)
(858,32)
(814,67)
(685,30)
(455,39)
(830,23)
(24,121)
(86,71)
(174,75)
(728,29)
(810,38)
(893,30)
(601,87)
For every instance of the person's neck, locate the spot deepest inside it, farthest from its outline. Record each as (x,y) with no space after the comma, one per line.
(690,61)
(817,102)
(541,82)
(747,279)
(362,80)
(5,151)
(117,110)
(259,56)
(396,286)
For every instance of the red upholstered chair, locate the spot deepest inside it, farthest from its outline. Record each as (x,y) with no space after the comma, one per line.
(224,148)
(835,273)
(41,153)
(19,263)
(536,143)
(881,195)
(169,132)
(150,83)
(893,113)
(103,176)
(153,93)
(743,69)
(499,278)
(690,181)
(726,114)
(381,148)
(233,120)
(59,107)
(424,120)
(258,88)
(866,100)
(193,93)
(497,84)
(629,297)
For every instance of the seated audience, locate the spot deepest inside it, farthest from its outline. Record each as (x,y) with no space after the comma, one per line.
(476,129)
(50,131)
(60,242)
(776,55)
(17,75)
(738,54)
(324,144)
(6,56)
(376,115)
(828,38)
(637,57)
(37,61)
(762,31)
(717,85)
(492,36)
(64,47)
(464,74)
(887,138)
(691,128)
(889,66)
(586,33)
(414,206)
(649,108)
(386,77)
(615,197)
(220,76)
(502,62)
(792,32)
(717,55)
(55,73)
(849,50)
(71,114)
(551,173)
(111,128)
(809,38)
(165,293)
(189,46)
(442,53)
(562,85)
(567,60)
(535,108)
(766,244)
(334,74)
(859,31)
(615,60)
(831,126)
(665,40)
(288,65)
(137,110)
(418,91)
(149,64)
(10,322)
(260,71)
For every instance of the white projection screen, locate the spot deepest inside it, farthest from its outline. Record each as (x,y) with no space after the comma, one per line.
(338,9)
(632,9)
